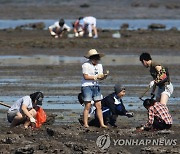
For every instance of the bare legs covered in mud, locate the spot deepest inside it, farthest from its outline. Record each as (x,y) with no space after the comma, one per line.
(163,99)
(99,114)
(19,119)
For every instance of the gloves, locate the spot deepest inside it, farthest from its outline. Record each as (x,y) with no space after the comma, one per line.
(81,33)
(107,73)
(90,34)
(151,84)
(129,114)
(103,76)
(76,34)
(100,76)
(139,129)
(53,33)
(32,120)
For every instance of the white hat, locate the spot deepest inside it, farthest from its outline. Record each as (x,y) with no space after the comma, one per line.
(93,52)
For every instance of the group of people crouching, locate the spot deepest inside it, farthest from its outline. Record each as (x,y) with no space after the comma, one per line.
(108,108)
(83,26)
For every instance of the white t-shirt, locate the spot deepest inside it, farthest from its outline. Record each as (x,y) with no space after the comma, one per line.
(26,100)
(91,70)
(90,20)
(56,25)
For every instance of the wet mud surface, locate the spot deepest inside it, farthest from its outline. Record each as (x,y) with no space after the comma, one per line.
(63,133)
(73,138)
(72,9)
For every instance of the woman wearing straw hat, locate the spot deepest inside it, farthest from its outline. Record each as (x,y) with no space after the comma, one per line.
(92,72)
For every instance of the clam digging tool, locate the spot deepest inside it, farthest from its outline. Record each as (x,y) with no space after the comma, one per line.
(107,73)
(147,89)
(6,105)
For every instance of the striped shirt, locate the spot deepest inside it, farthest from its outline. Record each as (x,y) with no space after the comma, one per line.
(161,112)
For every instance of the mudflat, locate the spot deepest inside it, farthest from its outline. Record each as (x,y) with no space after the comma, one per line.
(102,9)
(63,133)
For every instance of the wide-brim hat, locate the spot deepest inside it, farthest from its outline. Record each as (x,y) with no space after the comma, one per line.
(93,52)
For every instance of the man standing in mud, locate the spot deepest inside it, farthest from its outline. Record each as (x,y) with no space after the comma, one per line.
(160,76)
(92,72)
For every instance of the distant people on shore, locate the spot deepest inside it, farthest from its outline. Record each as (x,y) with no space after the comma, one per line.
(23,111)
(85,26)
(79,30)
(58,28)
(161,78)
(159,117)
(92,71)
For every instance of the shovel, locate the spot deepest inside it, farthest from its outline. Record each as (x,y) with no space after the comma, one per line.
(6,105)
(147,89)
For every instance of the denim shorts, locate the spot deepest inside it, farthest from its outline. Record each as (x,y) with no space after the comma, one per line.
(91,93)
(11,115)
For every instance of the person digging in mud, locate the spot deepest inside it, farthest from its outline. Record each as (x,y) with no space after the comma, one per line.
(115,104)
(23,111)
(89,23)
(160,76)
(85,26)
(58,28)
(159,117)
(92,72)
(79,30)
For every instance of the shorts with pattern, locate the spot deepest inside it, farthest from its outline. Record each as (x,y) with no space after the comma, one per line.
(167,89)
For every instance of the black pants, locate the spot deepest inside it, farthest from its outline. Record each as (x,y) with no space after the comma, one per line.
(160,125)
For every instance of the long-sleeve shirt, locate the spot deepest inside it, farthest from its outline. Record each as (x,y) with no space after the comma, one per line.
(110,102)
(161,112)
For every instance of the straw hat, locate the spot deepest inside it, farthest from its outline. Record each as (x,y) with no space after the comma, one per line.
(93,52)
